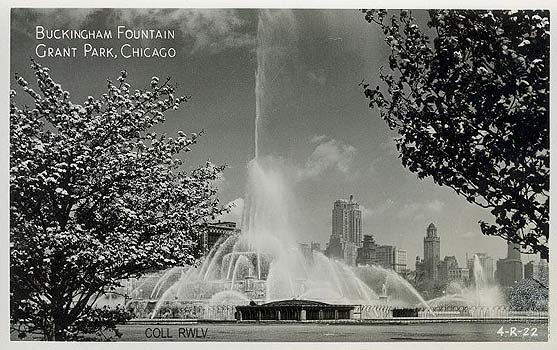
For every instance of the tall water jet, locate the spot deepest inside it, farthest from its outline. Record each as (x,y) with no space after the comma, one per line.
(266,218)
(276,52)
(480,279)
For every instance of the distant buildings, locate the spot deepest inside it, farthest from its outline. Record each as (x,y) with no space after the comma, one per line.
(346,235)
(387,256)
(433,274)
(432,253)
(335,248)
(535,270)
(214,231)
(458,274)
(347,243)
(346,227)
(391,257)
(427,270)
(449,271)
(510,269)
(305,250)
(371,253)
(449,263)
(367,253)
(486,265)
(316,247)
(350,253)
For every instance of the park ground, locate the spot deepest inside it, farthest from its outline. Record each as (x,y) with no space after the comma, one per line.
(312,332)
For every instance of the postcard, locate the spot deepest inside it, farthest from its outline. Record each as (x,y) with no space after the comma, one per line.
(279,175)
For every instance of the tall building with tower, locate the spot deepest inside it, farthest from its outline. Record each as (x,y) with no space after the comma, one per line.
(428,268)
(432,253)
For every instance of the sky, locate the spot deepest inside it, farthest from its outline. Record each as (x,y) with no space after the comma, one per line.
(314,117)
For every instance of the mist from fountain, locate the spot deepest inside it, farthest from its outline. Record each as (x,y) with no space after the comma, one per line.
(481,293)
(392,285)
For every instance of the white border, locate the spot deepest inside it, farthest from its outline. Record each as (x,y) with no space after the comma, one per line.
(392,4)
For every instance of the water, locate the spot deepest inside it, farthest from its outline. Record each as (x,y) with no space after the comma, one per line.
(397,289)
(480,293)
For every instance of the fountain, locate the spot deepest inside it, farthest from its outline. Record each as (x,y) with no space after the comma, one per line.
(263,263)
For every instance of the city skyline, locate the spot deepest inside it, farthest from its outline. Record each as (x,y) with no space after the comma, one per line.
(344,231)
(507,270)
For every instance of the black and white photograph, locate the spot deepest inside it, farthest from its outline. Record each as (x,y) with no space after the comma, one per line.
(296,175)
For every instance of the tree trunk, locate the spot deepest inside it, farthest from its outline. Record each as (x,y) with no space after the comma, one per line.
(60,325)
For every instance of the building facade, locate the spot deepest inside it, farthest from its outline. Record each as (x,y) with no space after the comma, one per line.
(350,253)
(347,221)
(459,274)
(214,231)
(510,270)
(390,257)
(535,270)
(346,235)
(316,247)
(305,250)
(387,256)
(485,263)
(429,266)
(447,264)
(530,269)
(367,252)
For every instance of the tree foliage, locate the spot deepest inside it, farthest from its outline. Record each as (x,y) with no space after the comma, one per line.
(96,197)
(530,293)
(471,108)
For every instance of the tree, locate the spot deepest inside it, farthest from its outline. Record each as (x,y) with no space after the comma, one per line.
(96,197)
(530,294)
(471,109)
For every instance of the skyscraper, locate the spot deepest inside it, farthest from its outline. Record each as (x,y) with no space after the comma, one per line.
(346,235)
(347,221)
(355,223)
(432,253)
(510,270)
